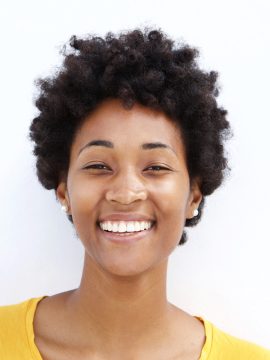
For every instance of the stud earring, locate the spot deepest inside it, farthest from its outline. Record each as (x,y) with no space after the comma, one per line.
(64,208)
(195,212)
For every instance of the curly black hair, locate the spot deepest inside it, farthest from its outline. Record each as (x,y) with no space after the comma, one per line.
(139,65)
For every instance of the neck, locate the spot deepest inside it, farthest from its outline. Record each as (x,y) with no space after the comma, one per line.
(109,308)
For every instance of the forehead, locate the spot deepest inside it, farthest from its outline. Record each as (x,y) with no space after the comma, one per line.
(127,128)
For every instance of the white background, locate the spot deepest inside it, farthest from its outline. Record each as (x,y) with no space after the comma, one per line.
(222,273)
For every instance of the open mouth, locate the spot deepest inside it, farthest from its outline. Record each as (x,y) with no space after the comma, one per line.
(126,237)
(127,232)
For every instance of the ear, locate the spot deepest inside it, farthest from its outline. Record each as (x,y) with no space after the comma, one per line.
(62,194)
(195,198)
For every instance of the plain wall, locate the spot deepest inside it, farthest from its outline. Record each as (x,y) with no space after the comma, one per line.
(222,272)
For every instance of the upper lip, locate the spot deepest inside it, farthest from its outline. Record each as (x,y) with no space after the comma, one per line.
(125,217)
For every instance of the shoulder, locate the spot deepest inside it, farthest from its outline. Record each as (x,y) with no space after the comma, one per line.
(14,323)
(226,346)
(11,316)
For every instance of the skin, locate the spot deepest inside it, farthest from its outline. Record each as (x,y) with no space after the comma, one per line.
(120,310)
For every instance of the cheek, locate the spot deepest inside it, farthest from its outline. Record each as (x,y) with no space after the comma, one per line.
(84,198)
(83,195)
(171,202)
(172,197)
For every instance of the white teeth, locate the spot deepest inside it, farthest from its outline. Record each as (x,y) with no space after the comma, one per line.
(109,226)
(125,226)
(130,227)
(122,227)
(143,226)
(137,226)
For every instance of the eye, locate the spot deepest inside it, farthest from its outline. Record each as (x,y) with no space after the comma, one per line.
(159,167)
(102,166)
(95,166)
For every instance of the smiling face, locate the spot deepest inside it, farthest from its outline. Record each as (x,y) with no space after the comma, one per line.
(151,180)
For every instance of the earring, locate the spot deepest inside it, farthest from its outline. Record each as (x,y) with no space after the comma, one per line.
(64,208)
(195,212)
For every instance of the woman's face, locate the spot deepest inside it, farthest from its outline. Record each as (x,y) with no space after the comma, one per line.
(147,181)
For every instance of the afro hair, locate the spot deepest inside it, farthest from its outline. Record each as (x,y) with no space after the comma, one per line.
(143,66)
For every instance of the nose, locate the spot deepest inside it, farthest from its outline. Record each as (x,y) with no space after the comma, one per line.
(126,188)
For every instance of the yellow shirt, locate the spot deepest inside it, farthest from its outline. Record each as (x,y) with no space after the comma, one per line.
(17,337)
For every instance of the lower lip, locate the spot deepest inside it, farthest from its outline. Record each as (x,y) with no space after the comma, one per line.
(127,238)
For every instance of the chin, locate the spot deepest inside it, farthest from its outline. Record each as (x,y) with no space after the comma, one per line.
(125,268)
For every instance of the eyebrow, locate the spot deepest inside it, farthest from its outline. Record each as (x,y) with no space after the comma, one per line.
(110,145)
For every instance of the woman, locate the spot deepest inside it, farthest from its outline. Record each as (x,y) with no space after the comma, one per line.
(130,137)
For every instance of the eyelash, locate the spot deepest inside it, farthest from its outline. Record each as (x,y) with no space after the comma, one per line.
(153,166)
